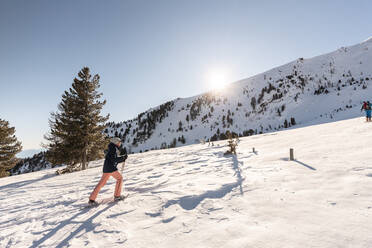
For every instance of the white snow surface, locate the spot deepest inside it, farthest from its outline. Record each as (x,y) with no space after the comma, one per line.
(194,196)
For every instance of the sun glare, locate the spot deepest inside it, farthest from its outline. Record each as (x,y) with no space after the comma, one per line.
(217,79)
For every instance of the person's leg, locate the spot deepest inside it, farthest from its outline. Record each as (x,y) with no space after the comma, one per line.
(101,183)
(119,182)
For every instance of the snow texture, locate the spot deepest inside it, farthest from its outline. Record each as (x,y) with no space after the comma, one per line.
(194,196)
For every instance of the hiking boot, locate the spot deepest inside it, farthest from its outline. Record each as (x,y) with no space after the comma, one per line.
(92,203)
(119,198)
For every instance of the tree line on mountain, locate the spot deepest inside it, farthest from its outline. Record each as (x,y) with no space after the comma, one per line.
(35,163)
(196,107)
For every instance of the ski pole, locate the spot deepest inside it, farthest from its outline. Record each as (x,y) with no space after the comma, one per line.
(121,170)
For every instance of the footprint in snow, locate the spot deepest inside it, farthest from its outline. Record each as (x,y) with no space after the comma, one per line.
(175,174)
(361,168)
(219,219)
(168,220)
(156,214)
(155,176)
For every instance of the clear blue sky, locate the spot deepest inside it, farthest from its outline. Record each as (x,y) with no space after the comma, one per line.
(149,52)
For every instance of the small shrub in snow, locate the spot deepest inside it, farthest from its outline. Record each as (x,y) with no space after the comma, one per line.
(231,143)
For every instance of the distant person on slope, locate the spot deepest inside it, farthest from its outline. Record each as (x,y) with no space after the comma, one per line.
(367,108)
(110,169)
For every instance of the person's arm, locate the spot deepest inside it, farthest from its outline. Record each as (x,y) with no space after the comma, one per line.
(123,155)
(122,151)
(113,158)
(121,158)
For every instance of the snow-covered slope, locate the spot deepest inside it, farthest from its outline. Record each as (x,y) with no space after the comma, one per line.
(194,196)
(303,92)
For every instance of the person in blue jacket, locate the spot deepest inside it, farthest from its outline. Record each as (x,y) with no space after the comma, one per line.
(110,169)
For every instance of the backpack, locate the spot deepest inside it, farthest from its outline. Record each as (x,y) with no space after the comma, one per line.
(365,106)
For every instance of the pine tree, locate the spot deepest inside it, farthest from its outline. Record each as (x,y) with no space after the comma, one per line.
(76,130)
(9,147)
(182,139)
(253,103)
(285,123)
(293,121)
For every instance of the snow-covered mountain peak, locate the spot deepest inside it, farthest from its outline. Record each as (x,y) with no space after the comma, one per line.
(369,40)
(320,89)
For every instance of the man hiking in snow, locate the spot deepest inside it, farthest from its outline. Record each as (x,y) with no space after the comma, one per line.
(367,108)
(110,169)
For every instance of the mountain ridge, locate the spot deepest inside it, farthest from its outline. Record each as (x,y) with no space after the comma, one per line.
(273,97)
(302,92)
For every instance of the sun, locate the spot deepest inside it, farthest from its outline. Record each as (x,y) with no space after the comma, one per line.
(217,79)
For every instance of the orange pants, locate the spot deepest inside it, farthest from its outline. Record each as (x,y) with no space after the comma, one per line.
(102,182)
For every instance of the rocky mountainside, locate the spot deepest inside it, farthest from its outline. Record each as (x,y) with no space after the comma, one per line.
(31,164)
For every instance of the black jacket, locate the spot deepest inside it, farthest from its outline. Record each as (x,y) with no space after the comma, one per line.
(112,159)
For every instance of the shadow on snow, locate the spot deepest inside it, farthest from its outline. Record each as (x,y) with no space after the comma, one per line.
(26,182)
(299,162)
(86,224)
(191,202)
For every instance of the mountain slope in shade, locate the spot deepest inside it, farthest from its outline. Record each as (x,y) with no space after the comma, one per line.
(194,196)
(303,92)
(35,163)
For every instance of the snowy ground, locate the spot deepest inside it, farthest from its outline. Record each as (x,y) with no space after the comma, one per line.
(195,196)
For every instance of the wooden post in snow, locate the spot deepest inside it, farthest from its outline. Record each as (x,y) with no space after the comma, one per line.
(253,150)
(291,156)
